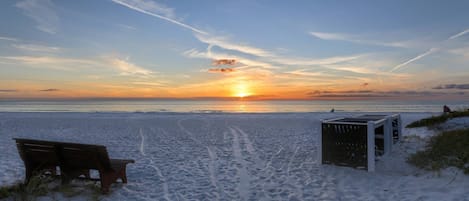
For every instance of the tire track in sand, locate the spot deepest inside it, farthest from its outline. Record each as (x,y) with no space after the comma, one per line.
(212,170)
(250,148)
(158,171)
(243,185)
(142,143)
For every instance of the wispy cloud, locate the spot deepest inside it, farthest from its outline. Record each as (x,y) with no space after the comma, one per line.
(459,34)
(378,94)
(218,62)
(37,48)
(305,72)
(43,12)
(355,39)
(8,38)
(461,51)
(420,56)
(156,10)
(128,27)
(127,68)
(156,84)
(123,67)
(311,62)
(453,86)
(150,8)
(49,90)
(221,70)
(8,90)
(58,63)
(209,54)
(244,54)
(224,43)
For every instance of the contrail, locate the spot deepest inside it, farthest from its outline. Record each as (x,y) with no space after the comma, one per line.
(160,16)
(430,51)
(414,59)
(459,34)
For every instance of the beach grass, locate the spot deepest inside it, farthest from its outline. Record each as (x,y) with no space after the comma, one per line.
(435,120)
(449,148)
(40,185)
(37,186)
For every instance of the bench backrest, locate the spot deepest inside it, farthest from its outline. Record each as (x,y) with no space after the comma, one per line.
(83,156)
(34,152)
(64,154)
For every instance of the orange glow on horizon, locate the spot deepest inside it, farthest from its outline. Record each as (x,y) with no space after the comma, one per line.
(241,90)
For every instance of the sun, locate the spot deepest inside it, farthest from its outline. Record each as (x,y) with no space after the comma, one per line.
(241,90)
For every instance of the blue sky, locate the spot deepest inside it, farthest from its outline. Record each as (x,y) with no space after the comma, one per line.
(261,49)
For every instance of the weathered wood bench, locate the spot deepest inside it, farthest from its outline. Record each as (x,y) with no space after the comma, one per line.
(73,159)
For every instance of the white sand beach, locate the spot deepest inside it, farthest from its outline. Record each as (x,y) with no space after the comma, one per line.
(189,156)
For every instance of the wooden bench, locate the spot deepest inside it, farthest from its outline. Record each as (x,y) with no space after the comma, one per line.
(73,159)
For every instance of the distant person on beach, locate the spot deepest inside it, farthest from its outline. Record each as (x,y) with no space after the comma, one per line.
(446,109)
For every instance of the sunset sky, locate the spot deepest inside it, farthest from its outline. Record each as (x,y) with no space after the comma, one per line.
(255,49)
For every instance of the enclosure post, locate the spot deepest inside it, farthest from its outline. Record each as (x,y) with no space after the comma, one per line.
(388,139)
(371,146)
(399,126)
(320,144)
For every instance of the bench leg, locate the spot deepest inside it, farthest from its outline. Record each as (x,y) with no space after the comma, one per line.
(123,175)
(106,181)
(29,174)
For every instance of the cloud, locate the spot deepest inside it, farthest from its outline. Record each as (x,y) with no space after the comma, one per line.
(221,70)
(58,63)
(218,62)
(128,27)
(36,48)
(459,34)
(453,86)
(49,90)
(377,94)
(222,42)
(354,39)
(304,72)
(156,10)
(8,90)
(43,12)
(464,51)
(165,13)
(127,68)
(430,51)
(312,62)
(124,67)
(193,53)
(156,84)
(8,38)
(340,92)
(329,36)
(365,84)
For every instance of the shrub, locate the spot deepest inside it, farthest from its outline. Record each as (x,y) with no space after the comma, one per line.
(431,121)
(449,148)
(37,186)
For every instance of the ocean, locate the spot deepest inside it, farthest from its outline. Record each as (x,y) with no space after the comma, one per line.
(224,106)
